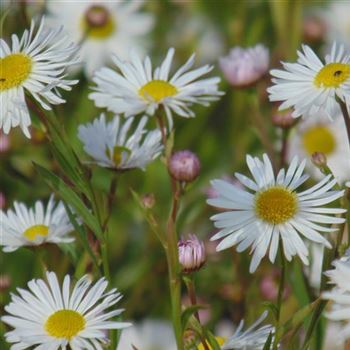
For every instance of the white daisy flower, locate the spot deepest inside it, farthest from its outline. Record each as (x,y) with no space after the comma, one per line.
(272,211)
(148,335)
(311,87)
(252,338)
(36,63)
(114,145)
(319,134)
(340,295)
(102,27)
(52,317)
(136,89)
(34,226)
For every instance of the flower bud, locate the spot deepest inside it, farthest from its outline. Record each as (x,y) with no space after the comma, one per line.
(319,159)
(184,166)
(97,16)
(148,200)
(314,29)
(283,119)
(5,282)
(191,254)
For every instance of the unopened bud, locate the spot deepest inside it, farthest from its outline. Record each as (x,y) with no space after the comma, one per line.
(283,119)
(97,16)
(5,282)
(319,159)
(184,166)
(314,29)
(191,254)
(148,200)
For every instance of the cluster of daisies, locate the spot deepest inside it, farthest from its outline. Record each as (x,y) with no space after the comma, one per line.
(266,213)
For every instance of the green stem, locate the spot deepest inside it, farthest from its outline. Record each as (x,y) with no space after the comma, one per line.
(192,295)
(316,315)
(260,124)
(280,298)
(346,116)
(110,200)
(104,255)
(174,271)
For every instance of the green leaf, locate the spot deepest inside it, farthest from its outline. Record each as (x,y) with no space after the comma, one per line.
(70,197)
(188,312)
(214,345)
(268,342)
(82,234)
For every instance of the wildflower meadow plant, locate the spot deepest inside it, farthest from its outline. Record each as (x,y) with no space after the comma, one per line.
(144,206)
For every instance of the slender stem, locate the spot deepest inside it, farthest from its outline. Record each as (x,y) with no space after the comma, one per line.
(162,129)
(174,271)
(193,299)
(110,200)
(346,116)
(261,125)
(171,249)
(280,297)
(104,254)
(316,315)
(284,148)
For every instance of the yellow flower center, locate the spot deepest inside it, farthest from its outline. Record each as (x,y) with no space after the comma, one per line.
(97,23)
(32,232)
(332,75)
(319,139)
(14,70)
(118,153)
(220,341)
(64,324)
(157,90)
(276,205)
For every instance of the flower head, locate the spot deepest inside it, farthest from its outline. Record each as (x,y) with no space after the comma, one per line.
(191,254)
(115,145)
(244,67)
(340,295)
(273,211)
(328,139)
(184,166)
(53,317)
(102,27)
(310,86)
(138,89)
(34,226)
(36,63)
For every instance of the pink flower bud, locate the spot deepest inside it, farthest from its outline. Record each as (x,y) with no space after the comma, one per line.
(319,159)
(191,254)
(5,282)
(244,67)
(148,200)
(283,119)
(97,16)
(314,29)
(184,166)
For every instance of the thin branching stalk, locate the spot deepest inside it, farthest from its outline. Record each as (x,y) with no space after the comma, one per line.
(280,297)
